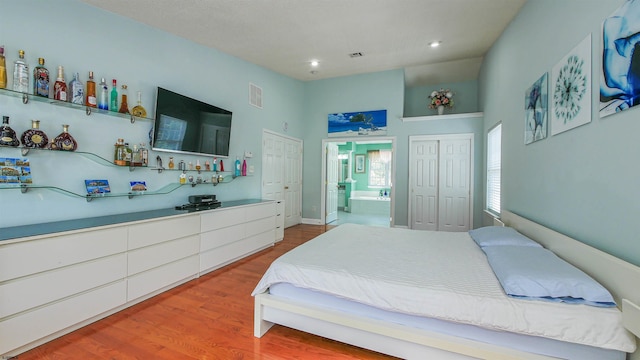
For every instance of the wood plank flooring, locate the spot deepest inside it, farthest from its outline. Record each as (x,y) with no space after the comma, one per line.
(207,318)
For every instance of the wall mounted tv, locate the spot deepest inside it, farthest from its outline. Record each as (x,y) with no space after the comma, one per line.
(188,126)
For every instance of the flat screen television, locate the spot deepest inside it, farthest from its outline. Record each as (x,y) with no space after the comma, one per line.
(189,126)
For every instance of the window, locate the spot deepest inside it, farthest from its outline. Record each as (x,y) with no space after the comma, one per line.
(379,168)
(494,166)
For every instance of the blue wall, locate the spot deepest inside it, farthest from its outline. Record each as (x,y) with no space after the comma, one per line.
(582,182)
(416,98)
(82,38)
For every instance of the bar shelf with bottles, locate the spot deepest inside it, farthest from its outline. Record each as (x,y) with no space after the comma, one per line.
(87,109)
(87,155)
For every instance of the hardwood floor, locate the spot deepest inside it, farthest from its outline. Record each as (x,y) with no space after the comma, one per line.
(207,318)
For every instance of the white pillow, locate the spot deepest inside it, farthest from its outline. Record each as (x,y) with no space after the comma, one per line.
(500,235)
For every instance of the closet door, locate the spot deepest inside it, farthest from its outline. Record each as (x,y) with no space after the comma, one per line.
(440,169)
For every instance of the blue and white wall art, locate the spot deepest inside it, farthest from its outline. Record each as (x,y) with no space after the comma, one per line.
(620,75)
(362,123)
(536,109)
(571,89)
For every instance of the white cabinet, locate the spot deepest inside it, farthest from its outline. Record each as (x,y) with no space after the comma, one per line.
(230,234)
(52,284)
(279,220)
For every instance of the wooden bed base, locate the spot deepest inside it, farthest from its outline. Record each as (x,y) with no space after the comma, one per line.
(619,277)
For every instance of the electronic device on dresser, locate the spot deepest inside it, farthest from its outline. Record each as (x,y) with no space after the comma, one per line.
(200,202)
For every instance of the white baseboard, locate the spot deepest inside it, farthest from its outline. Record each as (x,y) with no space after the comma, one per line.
(312,221)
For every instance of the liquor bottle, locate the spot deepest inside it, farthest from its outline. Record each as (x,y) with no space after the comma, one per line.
(60,87)
(3,69)
(171,164)
(221,165)
(139,110)
(244,167)
(34,137)
(237,167)
(103,100)
(144,154)
(113,103)
(198,167)
(21,74)
(124,106)
(91,91)
(76,88)
(41,79)
(128,154)
(119,155)
(7,135)
(64,141)
(136,158)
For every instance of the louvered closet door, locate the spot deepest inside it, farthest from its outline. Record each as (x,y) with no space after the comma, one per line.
(439,181)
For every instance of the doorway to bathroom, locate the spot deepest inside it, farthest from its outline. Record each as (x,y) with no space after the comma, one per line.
(357,179)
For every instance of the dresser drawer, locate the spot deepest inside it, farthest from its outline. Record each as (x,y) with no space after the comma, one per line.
(30,257)
(260,226)
(157,255)
(260,211)
(221,218)
(155,232)
(213,239)
(155,279)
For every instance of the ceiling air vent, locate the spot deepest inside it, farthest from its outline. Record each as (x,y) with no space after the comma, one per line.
(255,95)
(355,54)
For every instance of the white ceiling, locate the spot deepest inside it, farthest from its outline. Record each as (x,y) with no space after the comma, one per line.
(286,35)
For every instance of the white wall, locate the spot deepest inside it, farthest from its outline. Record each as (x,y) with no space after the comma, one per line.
(582,182)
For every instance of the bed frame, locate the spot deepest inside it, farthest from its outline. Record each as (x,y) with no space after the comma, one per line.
(619,277)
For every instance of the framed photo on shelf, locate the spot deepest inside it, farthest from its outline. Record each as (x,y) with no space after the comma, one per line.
(359,164)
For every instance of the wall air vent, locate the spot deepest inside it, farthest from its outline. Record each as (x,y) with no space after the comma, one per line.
(356,54)
(255,95)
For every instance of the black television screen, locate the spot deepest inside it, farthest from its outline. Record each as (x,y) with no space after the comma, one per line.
(189,126)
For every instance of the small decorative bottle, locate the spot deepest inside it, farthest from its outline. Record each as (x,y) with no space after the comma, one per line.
(221,165)
(34,137)
(215,164)
(244,167)
(77,90)
(207,165)
(128,154)
(198,167)
(103,100)
(171,164)
(3,69)
(124,106)
(119,155)
(60,87)
(144,155)
(65,141)
(41,79)
(136,159)
(91,100)
(237,171)
(7,134)
(139,110)
(21,74)
(113,103)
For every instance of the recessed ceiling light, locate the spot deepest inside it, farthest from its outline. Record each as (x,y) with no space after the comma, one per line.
(314,63)
(435,44)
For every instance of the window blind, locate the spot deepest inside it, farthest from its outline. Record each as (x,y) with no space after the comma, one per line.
(494,166)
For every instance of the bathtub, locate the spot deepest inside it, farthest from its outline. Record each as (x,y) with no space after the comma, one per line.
(369,202)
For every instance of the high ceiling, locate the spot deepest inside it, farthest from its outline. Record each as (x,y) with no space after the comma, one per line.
(286,35)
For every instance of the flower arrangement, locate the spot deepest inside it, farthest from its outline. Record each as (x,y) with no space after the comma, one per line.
(441,97)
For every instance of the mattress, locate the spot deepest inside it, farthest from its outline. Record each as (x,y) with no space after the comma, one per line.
(439,275)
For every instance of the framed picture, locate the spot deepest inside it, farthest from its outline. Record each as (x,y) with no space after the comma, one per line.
(362,123)
(359,164)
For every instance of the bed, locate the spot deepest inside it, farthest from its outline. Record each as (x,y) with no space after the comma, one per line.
(478,321)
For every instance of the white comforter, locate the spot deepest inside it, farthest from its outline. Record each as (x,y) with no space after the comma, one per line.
(436,274)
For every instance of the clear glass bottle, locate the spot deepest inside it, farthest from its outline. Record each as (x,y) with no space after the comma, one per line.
(103,100)
(64,141)
(128,154)
(41,79)
(119,155)
(136,159)
(3,69)
(198,167)
(76,89)
(60,87)
(34,137)
(124,106)
(139,110)
(144,154)
(7,134)
(21,74)
(113,99)
(91,92)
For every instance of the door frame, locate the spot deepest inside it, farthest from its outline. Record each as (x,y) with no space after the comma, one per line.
(323,175)
(300,141)
(461,136)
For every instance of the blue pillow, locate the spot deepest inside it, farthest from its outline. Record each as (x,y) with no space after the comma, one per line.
(537,273)
(500,235)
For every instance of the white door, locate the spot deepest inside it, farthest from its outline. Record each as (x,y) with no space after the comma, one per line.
(424,184)
(440,182)
(282,174)
(333,167)
(454,188)
(293,182)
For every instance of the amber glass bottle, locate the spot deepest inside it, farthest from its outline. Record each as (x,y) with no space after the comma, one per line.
(91,92)
(64,141)
(34,137)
